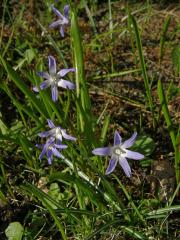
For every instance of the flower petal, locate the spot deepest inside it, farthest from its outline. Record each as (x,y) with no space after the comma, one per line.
(102,151)
(40,146)
(56,12)
(62,30)
(66,84)
(68,137)
(111,166)
(52,65)
(117,138)
(66,11)
(35,89)
(56,24)
(63,72)
(44,75)
(50,123)
(54,92)
(125,166)
(56,153)
(128,143)
(45,148)
(60,146)
(49,156)
(42,153)
(134,155)
(43,134)
(45,84)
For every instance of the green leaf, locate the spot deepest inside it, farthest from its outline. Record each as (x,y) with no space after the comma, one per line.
(3,127)
(30,55)
(165,210)
(169,123)
(176,58)
(84,122)
(54,193)
(14,231)
(144,145)
(135,234)
(163,36)
(86,188)
(143,66)
(105,128)
(24,88)
(44,198)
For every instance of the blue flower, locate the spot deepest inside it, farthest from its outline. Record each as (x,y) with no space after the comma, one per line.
(50,149)
(56,133)
(55,79)
(119,153)
(63,19)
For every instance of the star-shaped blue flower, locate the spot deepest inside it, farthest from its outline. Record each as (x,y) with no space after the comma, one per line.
(57,133)
(55,79)
(119,153)
(63,19)
(50,148)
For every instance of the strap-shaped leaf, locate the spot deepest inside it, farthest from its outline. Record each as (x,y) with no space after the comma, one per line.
(24,88)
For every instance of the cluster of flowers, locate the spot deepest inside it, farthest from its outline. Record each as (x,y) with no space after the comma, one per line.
(119,151)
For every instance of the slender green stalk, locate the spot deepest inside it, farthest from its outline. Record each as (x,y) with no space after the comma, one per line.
(84,115)
(91,20)
(81,86)
(2,21)
(174,195)
(177,156)
(86,178)
(164,210)
(143,67)
(54,44)
(130,29)
(117,74)
(163,36)
(110,19)
(171,131)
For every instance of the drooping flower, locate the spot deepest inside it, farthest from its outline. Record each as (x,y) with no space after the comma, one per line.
(119,153)
(50,148)
(63,19)
(56,133)
(55,79)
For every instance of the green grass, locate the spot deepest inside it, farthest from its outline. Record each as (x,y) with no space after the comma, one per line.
(73,198)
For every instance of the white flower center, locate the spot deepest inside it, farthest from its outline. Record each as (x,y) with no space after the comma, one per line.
(58,132)
(118,151)
(65,20)
(50,147)
(54,80)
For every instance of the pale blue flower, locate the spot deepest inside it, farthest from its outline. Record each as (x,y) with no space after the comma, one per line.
(56,133)
(50,148)
(63,19)
(55,79)
(119,153)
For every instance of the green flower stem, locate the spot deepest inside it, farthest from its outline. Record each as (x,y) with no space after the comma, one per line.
(86,178)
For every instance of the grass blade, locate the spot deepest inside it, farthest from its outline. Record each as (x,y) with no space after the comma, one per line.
(164,210)
(163,36)
(168,120)
(81,85)
(143,67)
(44,198)
(25,89)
